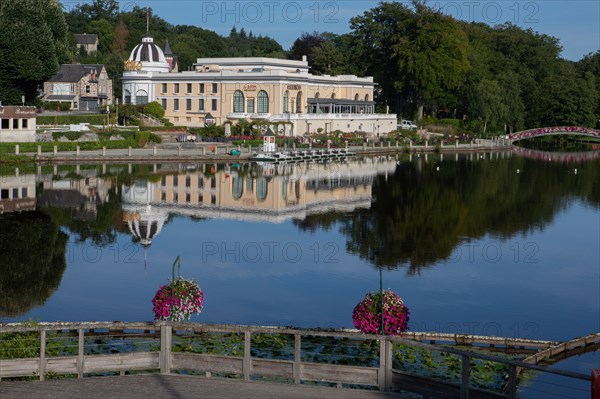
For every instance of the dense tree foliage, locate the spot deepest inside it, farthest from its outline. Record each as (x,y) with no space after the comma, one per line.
(33,43)
(33,261)
(460,202)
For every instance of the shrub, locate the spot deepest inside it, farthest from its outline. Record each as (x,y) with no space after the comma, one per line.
(154,109)
(72,136)
(92,119)
(57,106)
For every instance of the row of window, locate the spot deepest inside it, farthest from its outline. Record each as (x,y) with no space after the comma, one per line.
(188,181)
(5,123)
(188,198)
(241,105)
(4,193)
(189,88)
(189,104)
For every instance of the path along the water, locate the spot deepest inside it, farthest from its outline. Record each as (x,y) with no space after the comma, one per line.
(175,386)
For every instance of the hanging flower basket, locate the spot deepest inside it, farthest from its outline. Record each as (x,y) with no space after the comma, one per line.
(367,314)
(178,301)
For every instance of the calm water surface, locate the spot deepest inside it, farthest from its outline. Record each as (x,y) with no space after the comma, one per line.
(489,244)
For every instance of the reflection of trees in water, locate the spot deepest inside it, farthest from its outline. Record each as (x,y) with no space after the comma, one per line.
(420,214)
(101,228)
(32,253)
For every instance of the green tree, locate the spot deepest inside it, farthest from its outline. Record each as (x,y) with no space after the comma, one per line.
(99,9)
(106,34)
(432,55)
(33,43)
(304,45)
(492,108)
(154,109)
(512,101)
(591,64)
(567,98)
(415,54)
(328,58)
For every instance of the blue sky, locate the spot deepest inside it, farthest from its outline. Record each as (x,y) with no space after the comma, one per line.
(575,22)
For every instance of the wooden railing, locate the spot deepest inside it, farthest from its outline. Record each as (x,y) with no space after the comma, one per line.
(158,355)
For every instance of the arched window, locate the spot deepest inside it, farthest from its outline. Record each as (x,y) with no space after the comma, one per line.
(262,188)
(238,187)
(141,97)
(286,96)
(127,99)
(317,95)
(332,95)
(366,97)
(356,97)
(284,186)
(263,102)
(299,102)
(238,101)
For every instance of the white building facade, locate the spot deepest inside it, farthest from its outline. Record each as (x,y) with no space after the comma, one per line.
(17,124)
(260,89)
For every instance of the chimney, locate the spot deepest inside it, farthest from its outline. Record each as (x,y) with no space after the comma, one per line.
(304,58)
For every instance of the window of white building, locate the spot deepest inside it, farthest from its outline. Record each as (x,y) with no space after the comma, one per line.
(263,102)
(238,101)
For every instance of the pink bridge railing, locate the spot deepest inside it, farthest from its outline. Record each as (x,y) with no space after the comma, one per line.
(548,131)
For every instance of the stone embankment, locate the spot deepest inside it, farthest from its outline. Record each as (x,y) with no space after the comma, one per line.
(213,152)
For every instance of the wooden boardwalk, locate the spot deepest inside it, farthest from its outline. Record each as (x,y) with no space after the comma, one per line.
(175,387)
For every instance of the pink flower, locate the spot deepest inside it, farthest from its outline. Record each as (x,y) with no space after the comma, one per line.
(367,314)
(178,302)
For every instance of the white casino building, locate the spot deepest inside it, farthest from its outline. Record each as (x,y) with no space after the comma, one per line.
(224,90)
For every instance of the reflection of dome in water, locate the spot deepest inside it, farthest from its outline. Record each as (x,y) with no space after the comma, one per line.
(145,222)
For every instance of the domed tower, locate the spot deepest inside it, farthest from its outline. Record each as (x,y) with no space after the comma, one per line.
(146,60)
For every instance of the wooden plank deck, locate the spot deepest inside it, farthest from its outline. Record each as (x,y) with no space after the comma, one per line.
(175,386)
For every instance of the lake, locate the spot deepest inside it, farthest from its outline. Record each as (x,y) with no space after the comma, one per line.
(499,244)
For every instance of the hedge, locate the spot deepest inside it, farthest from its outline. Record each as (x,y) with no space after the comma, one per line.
(9,148)
(93,119)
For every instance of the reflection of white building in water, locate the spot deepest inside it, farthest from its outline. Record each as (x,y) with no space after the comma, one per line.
(84,194)
(263,194)
(17,193)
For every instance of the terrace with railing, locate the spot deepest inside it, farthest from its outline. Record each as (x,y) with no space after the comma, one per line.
(458,368)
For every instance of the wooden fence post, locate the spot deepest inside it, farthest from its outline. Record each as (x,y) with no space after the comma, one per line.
(382,374)
(246,363)
(80,354)
(388,365)
(297,357)
(512,382)
(42,365)
(166,337)
(464,386)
